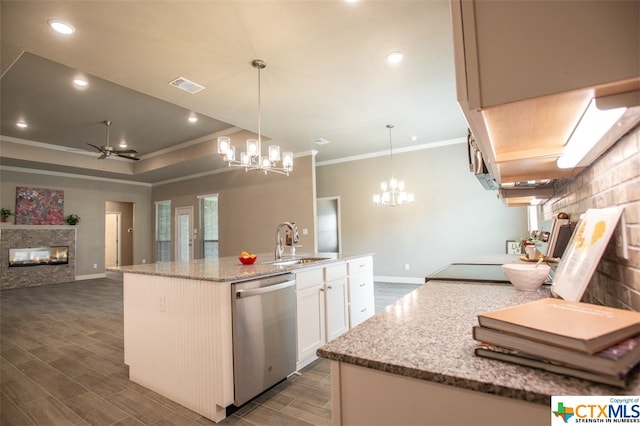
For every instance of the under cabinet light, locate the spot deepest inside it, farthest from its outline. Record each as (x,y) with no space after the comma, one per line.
(593,125)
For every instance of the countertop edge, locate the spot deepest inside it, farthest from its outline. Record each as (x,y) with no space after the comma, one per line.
(229,268)
(427,335)
(439,378)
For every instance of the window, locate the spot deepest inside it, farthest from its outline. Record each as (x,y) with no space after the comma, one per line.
(163,231)
(532,218)
(209,225)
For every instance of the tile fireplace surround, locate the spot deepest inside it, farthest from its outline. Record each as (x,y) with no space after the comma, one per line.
(22,236)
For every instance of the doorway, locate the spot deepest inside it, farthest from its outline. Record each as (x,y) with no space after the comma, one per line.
(118,233)
(328,223)
(184,233)
(112,247)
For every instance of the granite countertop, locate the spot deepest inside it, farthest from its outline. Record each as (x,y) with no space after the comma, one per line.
(229,269)
(426,335)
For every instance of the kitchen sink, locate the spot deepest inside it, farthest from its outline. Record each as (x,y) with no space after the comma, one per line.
(296,261)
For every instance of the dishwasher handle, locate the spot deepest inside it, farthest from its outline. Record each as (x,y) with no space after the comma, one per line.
(262,290)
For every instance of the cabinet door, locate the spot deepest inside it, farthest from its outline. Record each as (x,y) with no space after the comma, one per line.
(311,321)
(337,311)
(361,297)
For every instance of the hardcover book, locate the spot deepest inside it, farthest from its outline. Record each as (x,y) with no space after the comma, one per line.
(579,326)
(515,357)
(583,252)
(616,360)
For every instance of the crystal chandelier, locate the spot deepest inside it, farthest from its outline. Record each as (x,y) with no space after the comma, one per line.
(252,158)
(392,193)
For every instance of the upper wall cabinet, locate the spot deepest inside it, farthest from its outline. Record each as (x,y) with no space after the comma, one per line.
(526,71)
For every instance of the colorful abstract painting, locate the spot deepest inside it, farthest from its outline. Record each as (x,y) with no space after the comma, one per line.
(38,206)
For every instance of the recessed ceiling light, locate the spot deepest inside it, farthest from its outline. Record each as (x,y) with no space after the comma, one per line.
(61,27)
(395,57)
(193,118)
(80,82)
(122,144)
(414,138)
(21,124)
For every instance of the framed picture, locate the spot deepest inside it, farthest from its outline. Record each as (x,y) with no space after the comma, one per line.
(39,206)
(512,247)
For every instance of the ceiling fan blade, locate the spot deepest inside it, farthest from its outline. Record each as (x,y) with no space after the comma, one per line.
(128,157)
(96,147)
(103,156)
(126,151)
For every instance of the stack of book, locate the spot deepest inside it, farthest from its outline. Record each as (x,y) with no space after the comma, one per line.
(591,342)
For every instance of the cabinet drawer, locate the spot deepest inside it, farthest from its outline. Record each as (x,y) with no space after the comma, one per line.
(361,297)
(360,264)
(360,313)
(336,271)
(309,277)
(360,287)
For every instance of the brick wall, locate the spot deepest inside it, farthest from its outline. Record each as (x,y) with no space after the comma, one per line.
(613,180)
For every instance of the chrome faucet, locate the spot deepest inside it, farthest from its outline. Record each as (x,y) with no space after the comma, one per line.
(292,238)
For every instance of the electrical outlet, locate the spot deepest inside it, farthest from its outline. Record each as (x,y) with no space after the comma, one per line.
(406,266)
(162,305)
(144,260)
(305,231)
(95,266)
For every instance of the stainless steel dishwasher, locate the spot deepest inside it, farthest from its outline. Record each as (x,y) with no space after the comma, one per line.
(264,334)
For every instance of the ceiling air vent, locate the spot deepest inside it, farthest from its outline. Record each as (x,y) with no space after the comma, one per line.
(186,85)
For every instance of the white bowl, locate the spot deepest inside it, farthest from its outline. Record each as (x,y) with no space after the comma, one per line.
(526,276)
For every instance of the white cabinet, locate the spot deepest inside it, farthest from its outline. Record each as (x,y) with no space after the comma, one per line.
(336,305)
(527,70)
(361,294)
(310,312)
(322,310)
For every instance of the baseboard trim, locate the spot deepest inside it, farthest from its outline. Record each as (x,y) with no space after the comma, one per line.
(399,280)
(90,277)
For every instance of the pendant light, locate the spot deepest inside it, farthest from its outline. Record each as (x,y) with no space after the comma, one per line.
(392,193)
(252,158)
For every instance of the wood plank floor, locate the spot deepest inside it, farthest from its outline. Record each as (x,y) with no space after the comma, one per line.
(61,363)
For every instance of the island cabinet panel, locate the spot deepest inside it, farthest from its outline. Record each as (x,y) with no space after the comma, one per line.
(361,291)
(363,396)
(177,340)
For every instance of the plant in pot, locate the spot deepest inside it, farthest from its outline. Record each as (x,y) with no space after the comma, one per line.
(72,219)
(5,213)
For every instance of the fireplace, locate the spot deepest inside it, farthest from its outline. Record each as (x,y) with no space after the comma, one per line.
(36,256)
(25,248)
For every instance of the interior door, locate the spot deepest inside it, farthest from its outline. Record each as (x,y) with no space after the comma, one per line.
(184,233)
(328,222)
(112,239)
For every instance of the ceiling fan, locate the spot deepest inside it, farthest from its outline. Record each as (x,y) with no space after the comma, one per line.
(107,150)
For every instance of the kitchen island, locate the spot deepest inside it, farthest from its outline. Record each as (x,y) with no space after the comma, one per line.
(414,363)
(178,320)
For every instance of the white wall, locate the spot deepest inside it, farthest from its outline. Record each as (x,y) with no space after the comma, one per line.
(453,217)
